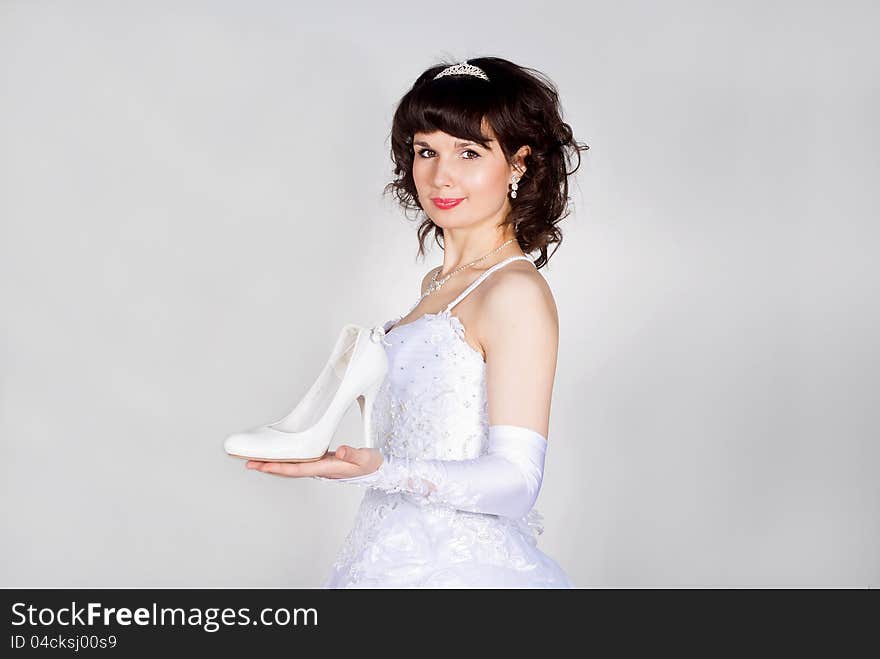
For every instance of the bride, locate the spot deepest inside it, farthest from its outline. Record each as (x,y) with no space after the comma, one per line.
(462,417)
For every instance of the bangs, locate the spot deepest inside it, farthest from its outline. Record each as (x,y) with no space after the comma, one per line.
(454,105)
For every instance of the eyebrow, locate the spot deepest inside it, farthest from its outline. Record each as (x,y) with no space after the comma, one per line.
(457,143)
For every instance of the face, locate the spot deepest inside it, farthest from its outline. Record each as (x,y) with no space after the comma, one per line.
(448,167)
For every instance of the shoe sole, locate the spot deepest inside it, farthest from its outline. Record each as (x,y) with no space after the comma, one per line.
(247,457)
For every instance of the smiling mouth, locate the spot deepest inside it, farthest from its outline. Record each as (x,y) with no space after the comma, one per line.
(446,203)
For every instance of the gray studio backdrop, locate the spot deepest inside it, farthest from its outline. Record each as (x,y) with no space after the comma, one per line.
(190,209)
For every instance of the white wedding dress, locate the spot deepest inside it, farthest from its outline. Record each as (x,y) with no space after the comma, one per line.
(433,405)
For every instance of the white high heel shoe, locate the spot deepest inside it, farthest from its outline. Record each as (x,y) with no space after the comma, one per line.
(354,371)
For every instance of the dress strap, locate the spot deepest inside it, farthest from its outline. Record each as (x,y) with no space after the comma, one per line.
(479,280)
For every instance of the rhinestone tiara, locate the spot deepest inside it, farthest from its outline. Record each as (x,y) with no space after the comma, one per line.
(462,69)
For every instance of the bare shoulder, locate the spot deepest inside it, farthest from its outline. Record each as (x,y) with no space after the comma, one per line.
(519,290)
(518,293)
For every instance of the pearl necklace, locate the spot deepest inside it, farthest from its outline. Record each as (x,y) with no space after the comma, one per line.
(435,285)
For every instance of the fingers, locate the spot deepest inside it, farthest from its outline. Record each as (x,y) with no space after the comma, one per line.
(348,453)
(328,466)
(289,469)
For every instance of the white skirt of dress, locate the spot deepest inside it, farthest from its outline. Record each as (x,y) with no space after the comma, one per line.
(400,542)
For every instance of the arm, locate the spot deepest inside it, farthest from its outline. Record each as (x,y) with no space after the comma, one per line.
(521,363)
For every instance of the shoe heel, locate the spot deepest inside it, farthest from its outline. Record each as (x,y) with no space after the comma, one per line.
(366,401)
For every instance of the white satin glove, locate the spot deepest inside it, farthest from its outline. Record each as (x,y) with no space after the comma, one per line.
(506,481)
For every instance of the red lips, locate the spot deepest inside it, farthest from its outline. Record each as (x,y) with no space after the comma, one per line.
(444,203)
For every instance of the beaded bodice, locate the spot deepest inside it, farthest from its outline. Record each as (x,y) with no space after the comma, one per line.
(433,403)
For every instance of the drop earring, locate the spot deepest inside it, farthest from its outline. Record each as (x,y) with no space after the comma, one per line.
(514,179)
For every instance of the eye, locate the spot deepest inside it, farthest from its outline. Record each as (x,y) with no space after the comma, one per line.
(476,155)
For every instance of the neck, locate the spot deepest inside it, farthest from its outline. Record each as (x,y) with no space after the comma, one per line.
(462,248)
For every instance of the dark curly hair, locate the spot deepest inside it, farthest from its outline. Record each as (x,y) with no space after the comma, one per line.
(522,107)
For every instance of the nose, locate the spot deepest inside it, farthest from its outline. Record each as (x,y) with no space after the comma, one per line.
(444,173)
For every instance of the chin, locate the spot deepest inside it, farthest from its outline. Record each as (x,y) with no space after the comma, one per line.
(451,225)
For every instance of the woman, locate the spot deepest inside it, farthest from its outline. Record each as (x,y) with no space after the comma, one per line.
(462,416)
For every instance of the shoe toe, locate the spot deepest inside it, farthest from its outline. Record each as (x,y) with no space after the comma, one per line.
(236,443)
